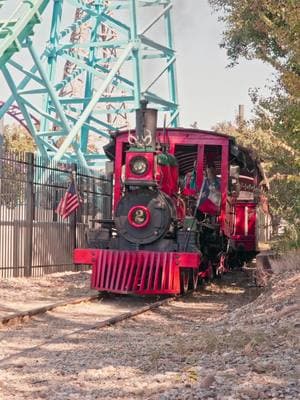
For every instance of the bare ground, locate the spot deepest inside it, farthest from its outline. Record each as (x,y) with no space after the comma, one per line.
(22,294)
(226,341)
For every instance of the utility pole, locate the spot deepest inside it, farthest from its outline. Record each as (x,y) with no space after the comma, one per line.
(241,116)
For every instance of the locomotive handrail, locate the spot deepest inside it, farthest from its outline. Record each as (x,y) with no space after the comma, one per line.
(136,182)
(102,221)
(19,26)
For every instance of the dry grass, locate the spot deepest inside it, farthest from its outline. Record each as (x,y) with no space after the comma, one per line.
(287,262)
(224,288)
(209,341)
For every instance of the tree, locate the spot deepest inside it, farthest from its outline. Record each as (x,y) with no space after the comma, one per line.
(16,138)
(269,30)
(13,173)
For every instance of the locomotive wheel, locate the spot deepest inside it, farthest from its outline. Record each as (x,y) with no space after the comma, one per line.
(211,270)
(184,281)
(194,277)
(206,270)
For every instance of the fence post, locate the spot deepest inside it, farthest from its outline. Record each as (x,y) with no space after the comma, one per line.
(74,217)
(94,198)
(29,201)
(109,196)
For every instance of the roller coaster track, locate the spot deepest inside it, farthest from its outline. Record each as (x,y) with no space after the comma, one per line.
(15,113)
(110,63)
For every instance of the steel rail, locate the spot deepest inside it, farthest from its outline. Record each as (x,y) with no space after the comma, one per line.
(99,325)
(41,310)
(19,317)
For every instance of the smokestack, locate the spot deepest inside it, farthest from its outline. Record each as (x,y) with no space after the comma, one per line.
(146,123)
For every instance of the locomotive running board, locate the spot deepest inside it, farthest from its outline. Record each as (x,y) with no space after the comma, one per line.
(140,272)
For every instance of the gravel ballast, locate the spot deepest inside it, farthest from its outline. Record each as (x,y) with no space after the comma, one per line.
(227,341)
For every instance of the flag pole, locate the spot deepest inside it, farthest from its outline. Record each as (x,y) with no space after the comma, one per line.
(188,233)
(74,220)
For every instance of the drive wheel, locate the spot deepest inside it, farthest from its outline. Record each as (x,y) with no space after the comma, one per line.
(194,278)
(184,281)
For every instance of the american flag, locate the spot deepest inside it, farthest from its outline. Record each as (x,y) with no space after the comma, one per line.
(70,202)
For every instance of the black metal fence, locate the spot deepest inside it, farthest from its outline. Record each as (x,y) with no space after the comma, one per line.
(34,240)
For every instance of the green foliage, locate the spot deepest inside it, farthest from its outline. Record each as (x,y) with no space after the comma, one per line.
(16,138)
(269,30)
(13,173)
(12,182)
(279,113)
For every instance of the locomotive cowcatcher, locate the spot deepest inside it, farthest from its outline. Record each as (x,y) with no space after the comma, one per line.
(184,207)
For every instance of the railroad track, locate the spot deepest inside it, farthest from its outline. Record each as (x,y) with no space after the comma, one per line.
(54,308)
(25,315)
(19,317)
(70,313)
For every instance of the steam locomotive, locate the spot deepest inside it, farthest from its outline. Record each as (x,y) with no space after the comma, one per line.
(160,237)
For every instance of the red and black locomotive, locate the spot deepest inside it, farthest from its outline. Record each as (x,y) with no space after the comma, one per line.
(184,207)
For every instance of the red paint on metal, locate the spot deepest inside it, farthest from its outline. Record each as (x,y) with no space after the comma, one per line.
(118,173)
(143,272)
(176,136)
(200,166)
(168,179)
(245,237)
(149,173)
(224,183)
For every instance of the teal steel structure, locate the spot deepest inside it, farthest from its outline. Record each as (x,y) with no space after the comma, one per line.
(135,63)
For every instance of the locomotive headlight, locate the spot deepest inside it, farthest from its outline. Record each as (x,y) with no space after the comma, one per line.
(139,165)
(139,216)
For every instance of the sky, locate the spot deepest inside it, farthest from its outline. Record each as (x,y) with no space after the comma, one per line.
(208,92)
